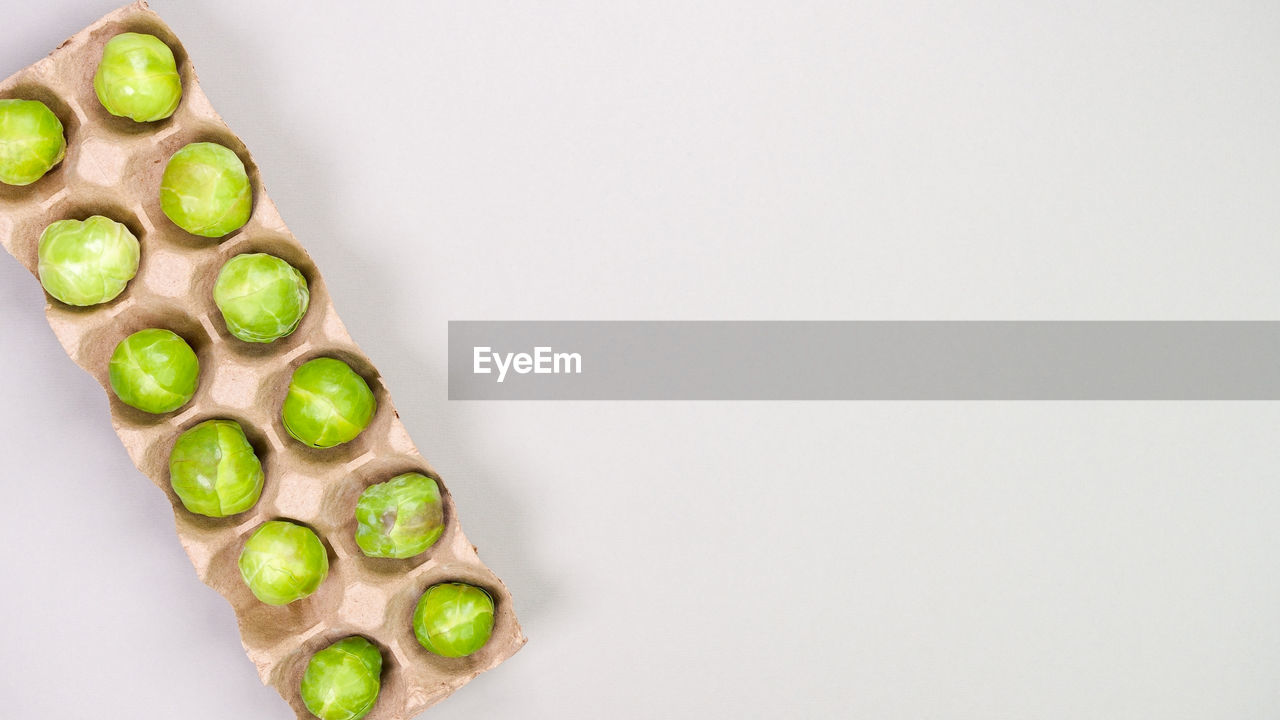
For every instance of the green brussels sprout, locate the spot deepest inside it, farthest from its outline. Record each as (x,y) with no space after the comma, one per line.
(399,518)
(328,403)
(342,681)
(205,190)
(155,371)
(262,298)
(214,470)
(138,78)
(453,619)
(87,262)
(282,562)
(31,141)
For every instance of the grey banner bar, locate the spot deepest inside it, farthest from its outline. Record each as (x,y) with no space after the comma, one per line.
(864,360)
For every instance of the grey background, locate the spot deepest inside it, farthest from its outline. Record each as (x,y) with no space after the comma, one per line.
(729,160)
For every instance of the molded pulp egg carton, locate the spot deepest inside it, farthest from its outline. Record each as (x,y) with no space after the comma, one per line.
(113,167)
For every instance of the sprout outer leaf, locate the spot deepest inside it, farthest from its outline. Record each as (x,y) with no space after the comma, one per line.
(205,190)
(328,403)
(261,297)
(31,141)
(283,562)
(214,470)
(87,262)
(342,681)
(399,518)
(154,370)
(137,78)
(453,619)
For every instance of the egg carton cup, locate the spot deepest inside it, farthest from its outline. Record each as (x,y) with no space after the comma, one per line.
(113,167)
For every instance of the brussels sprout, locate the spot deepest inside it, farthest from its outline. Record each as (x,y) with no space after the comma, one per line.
(205,190)
(138,78)
(154,370)
(328,403)
(214,470)
(31,141)
(453,619)
(262,298)
(89,262)
(282,562)
(400,517)
(342,681)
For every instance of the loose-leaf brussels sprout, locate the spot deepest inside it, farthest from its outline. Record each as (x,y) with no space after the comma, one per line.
(400,517)
(328,403)
(138,78)
(214,470)
(205,190)
(154,370)
(342,681)
(262,298)
(282,562)
(89,262)
(31,141)
(453,619)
